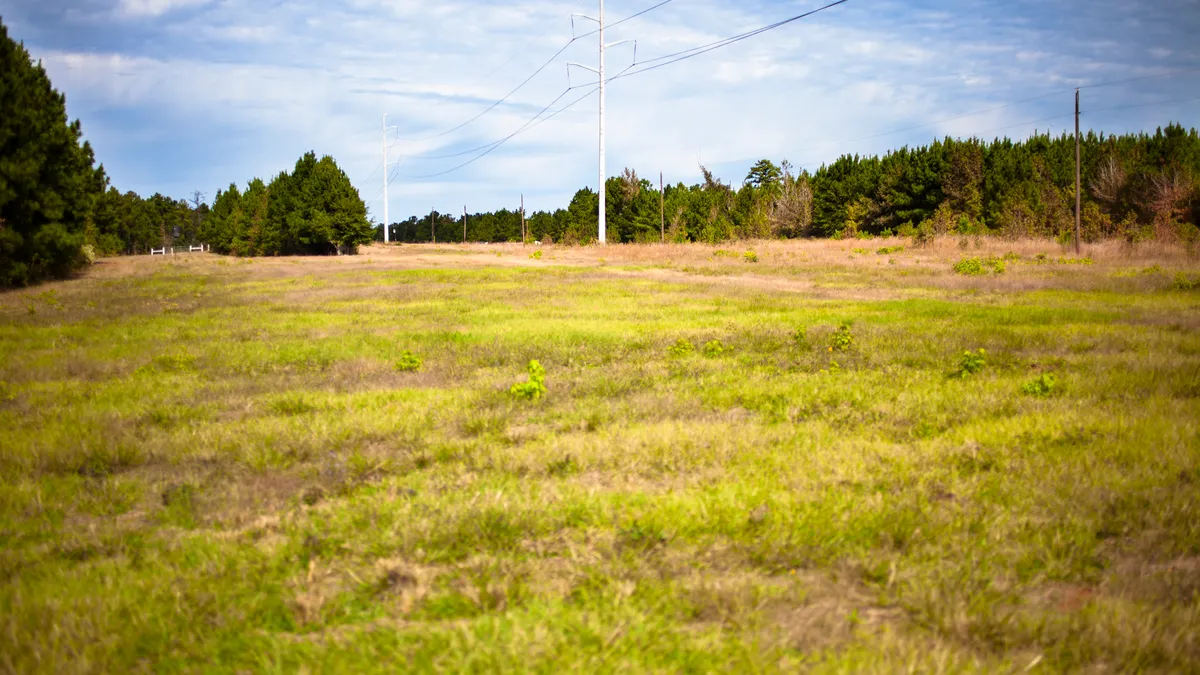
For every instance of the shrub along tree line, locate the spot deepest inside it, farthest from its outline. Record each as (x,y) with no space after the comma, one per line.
(314,210)
(57,209)
(1136,186)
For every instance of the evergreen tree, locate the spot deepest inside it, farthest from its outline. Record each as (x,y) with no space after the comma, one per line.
(47,177)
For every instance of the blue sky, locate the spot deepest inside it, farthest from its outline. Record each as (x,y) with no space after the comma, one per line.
(180,95)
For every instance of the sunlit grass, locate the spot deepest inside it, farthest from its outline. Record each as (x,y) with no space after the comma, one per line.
(211,464)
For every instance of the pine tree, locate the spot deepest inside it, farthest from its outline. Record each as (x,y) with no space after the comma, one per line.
(47,178)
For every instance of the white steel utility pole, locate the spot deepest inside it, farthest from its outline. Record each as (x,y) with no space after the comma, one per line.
(386,225)
(600,73)
(603,172)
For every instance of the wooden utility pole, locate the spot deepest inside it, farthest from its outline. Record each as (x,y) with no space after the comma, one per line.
(1078,192)
(662,209)
(464,224)
(523,233)
(432,227)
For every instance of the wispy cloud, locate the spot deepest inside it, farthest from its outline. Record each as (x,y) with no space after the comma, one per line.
(140,8)
(184,94)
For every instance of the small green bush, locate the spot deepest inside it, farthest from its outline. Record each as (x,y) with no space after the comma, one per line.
(714,348)
(1041,386)
(750,257)
(681,348)
(861,251)
(535,387)
(1184,283)
(976,267)
(969,267)
(800,337)
(971,363)
(408,363)
(924,235)
(536,255)
(89,254)
(888,250)
(842,340)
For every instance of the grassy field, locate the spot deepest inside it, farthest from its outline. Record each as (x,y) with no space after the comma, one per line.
(785,461)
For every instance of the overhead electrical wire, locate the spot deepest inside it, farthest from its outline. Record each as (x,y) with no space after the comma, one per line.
(647,65)
(535,73)
(523,50)
(1142,105)
(489,148)
(534,121)
(669,59)
(1016,103)
(1140,78)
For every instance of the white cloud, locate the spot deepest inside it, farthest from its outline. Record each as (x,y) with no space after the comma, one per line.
(140,8)
(259,83)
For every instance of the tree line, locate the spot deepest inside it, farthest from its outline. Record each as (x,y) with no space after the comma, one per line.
(1135,186)
(57,209)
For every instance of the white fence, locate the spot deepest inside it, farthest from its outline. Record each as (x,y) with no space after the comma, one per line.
(171,249)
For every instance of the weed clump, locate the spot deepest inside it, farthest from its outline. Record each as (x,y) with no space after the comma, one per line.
(535,387)
(970,267)
(536,255)
(841,340)
(169,363)
(714,348)
(1041,386)
(750,257)
(408,363)
(923,235)
(1184,283)
(888,250)
(562,467)
(800,337)
(970,363)
(976,267)
(179,505)
(681,348)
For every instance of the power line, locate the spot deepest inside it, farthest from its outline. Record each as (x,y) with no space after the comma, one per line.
(1143,77)
(524,49)
(628,18)
(537,72)
(669,59)
(1010,105)
(489,148)
(1141,105)
(533,122)
(372,174)
(391,178)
